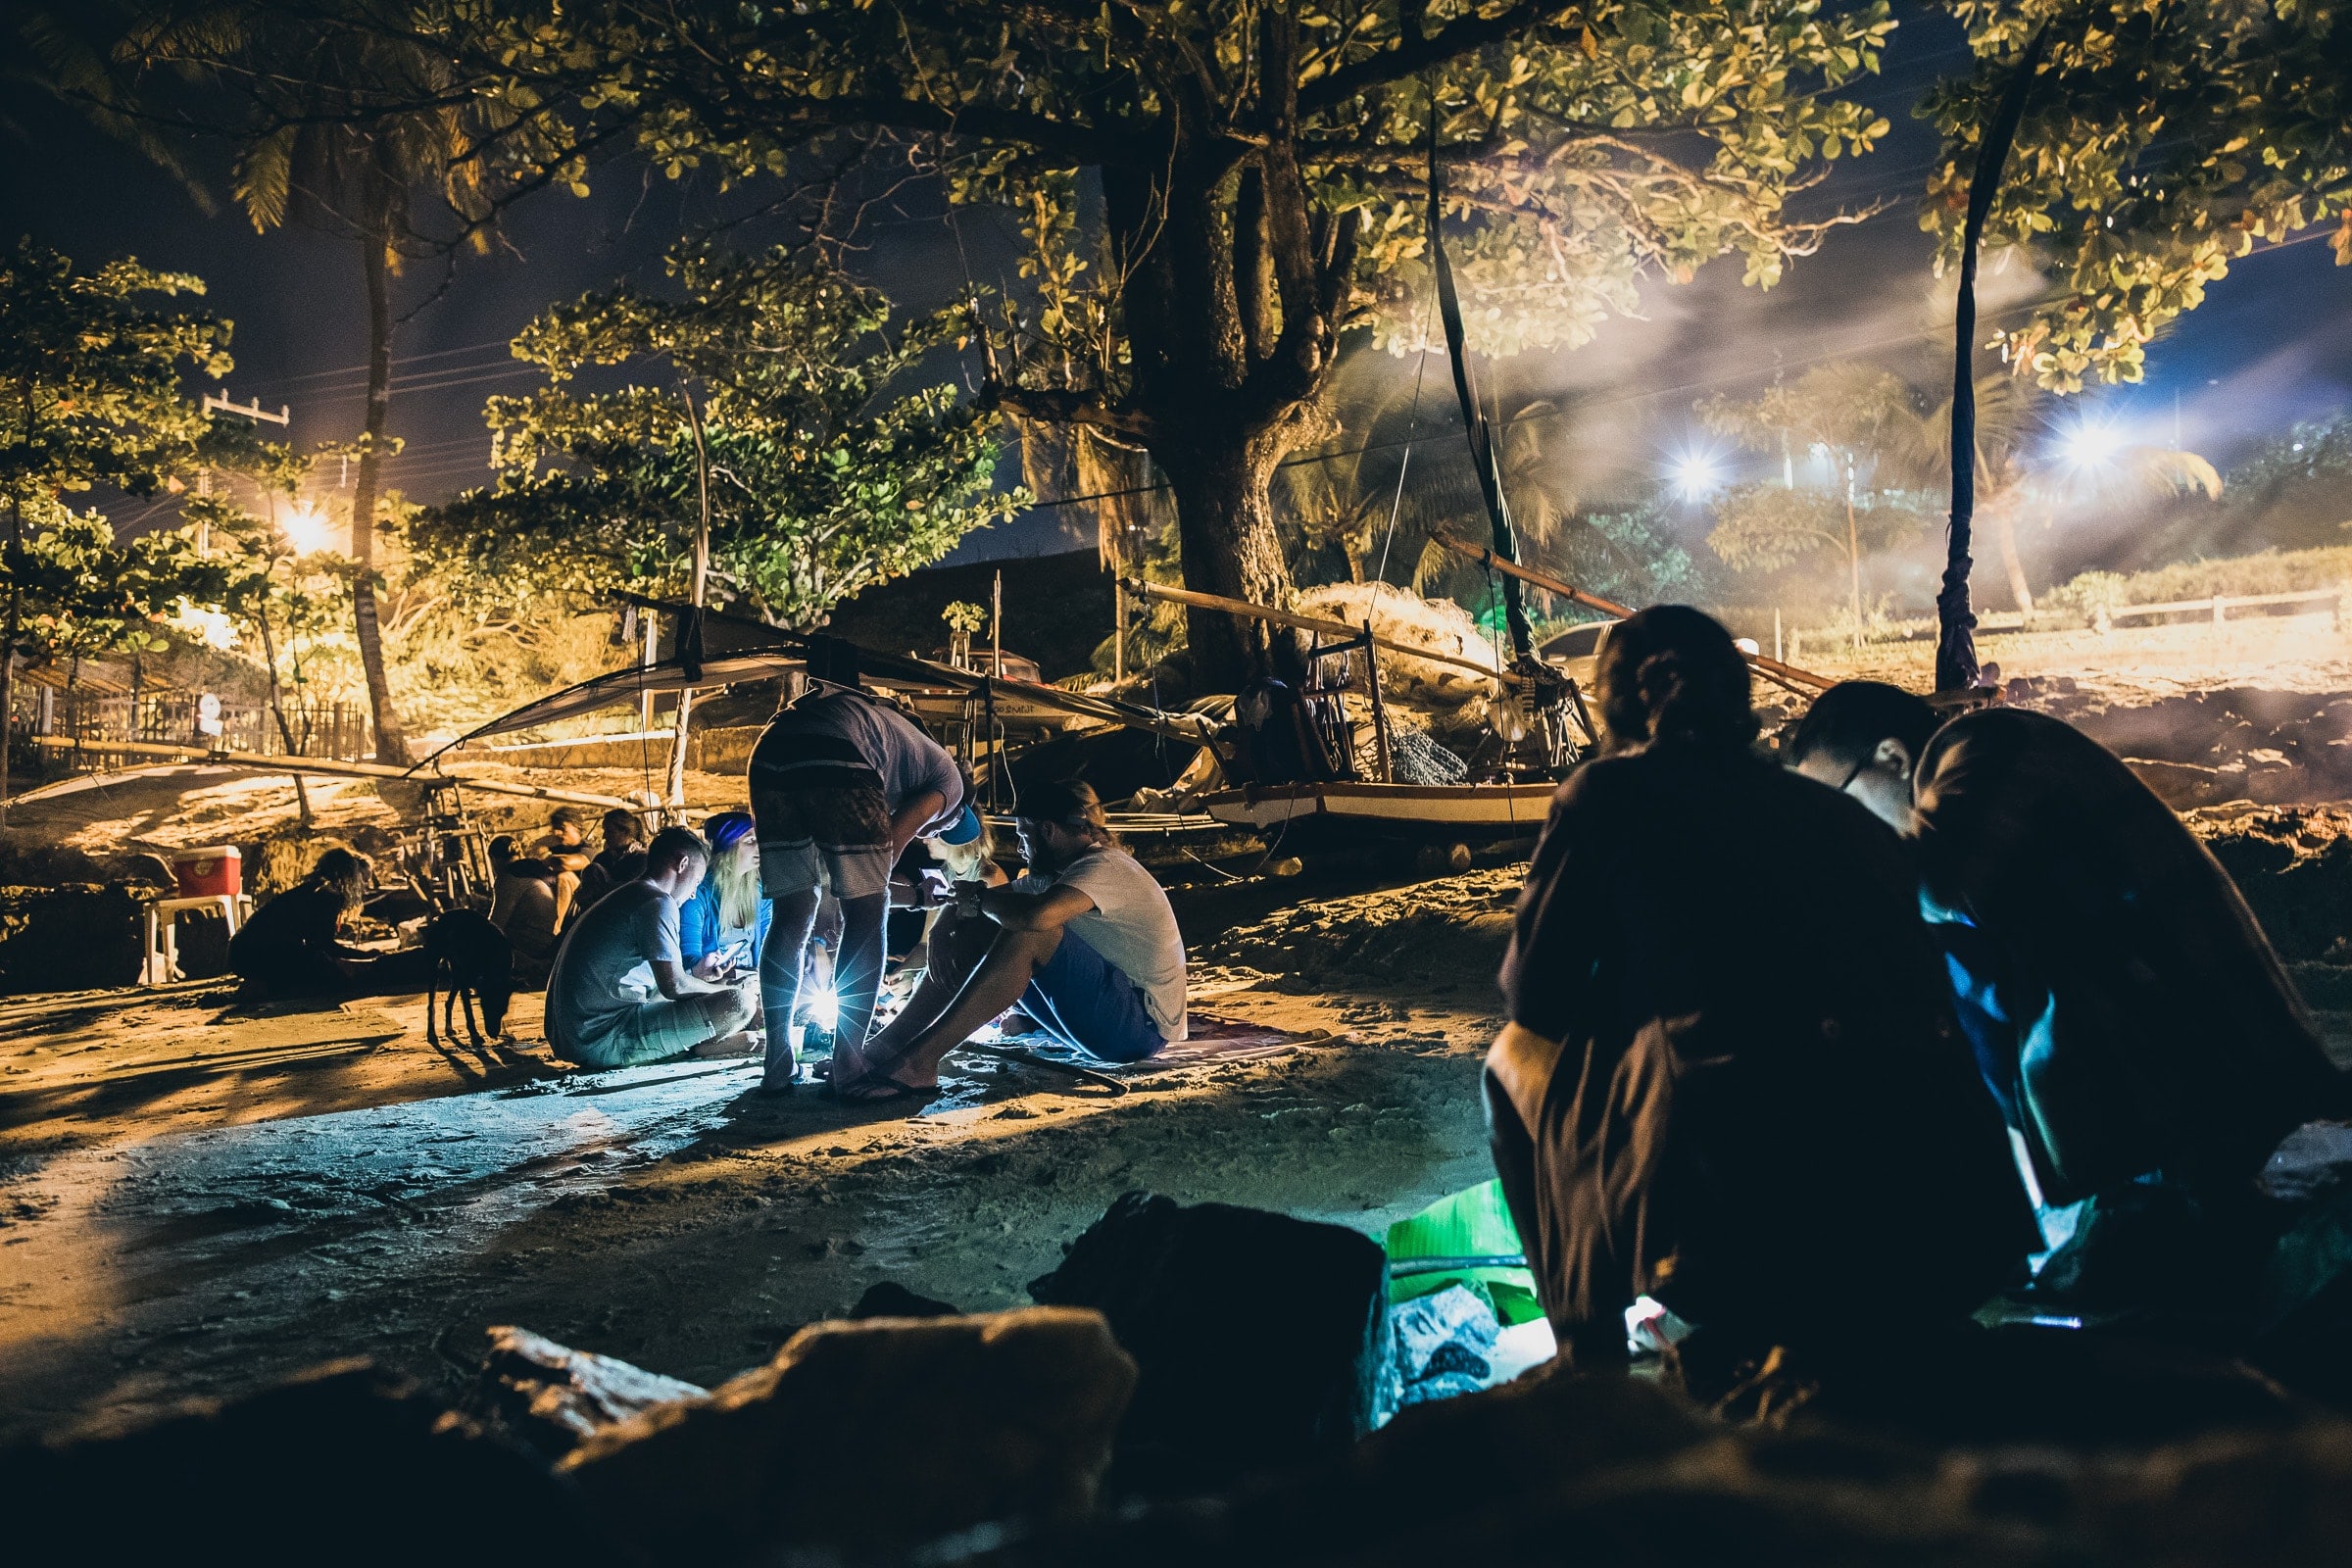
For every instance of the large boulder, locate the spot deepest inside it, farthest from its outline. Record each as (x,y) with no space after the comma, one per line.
(869,1436)
(345,1464)
(1261,1337)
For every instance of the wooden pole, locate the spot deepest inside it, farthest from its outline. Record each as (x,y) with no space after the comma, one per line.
(1789,675)
(1380,712)
(1284,617)
(988,693)
(676,794)
(301,766)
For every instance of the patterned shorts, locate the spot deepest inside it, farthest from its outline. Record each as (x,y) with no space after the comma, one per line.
(822,828)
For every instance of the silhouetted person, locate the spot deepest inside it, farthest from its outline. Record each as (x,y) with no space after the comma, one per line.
(2127,1009)
(293,945)
(1730,1082)
(522,905)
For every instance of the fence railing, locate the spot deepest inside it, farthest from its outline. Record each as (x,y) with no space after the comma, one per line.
(76,728)
(2103,619)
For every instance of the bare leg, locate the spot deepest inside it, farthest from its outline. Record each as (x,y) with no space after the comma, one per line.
(780,958)
(1012,958)
(956,947)
(857,977)
(568,886)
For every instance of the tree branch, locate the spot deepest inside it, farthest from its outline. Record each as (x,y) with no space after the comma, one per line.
(1416,51)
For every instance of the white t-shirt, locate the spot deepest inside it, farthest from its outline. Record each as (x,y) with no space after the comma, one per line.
(1133,928)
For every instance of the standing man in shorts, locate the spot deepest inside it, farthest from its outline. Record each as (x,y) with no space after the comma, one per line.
(841,784)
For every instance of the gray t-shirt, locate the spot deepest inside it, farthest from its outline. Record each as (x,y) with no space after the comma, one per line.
(909,761)
(634,924)
(1132,926)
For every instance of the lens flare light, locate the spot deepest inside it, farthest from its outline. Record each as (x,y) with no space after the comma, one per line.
(2091,443)
(1696,474)
(307,529)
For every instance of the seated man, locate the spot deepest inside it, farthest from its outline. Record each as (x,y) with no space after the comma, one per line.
(1728,1083)
(597,1017)
(2127,1013)
(1084,943)
(564,846)
(522,905)
(293,945)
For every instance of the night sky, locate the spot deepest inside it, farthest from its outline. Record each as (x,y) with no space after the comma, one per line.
(2273,344)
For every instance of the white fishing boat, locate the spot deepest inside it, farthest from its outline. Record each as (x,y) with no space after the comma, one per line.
(1454,813)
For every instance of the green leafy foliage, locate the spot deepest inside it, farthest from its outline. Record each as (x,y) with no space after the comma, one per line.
(2162,139)
(1212,192)
(90,377)
(824,477)
(84,595)
(1766,527)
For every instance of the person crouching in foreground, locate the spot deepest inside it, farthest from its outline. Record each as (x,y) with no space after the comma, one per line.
(1730,1082)
(593,1020)
(1084,943)
(2127,1013)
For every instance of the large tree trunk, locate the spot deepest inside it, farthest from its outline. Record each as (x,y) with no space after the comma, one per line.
(1237,283)
(1225,521)
(391,744)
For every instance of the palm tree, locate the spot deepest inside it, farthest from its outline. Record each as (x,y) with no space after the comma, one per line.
(2011,480)
(340,122)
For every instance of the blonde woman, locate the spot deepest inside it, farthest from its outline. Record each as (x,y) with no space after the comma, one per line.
(722,926)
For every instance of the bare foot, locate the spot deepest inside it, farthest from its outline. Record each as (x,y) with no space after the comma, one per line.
(742,1043)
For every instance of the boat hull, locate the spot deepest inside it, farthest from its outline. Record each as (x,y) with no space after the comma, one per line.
(1451,812)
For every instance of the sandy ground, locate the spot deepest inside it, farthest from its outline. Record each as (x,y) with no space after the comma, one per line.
(195,1199)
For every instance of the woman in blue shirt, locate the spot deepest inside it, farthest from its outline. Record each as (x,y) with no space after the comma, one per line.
(724,923)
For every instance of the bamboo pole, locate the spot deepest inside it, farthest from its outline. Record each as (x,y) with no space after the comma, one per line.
(297,767)
(1285,618)
(1801,681)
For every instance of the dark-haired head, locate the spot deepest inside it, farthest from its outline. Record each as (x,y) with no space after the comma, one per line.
(1866,738)
(343,873)
(673,846)
(1846,724)
(1672,675)
(1060,821)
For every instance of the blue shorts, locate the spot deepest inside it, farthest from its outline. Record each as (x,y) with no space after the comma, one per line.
(1081,1000)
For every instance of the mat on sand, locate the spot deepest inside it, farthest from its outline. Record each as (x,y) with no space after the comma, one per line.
(1209,1038)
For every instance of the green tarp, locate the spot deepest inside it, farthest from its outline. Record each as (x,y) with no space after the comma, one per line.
(1466,1239)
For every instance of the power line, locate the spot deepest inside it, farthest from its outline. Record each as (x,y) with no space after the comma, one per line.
(361,369)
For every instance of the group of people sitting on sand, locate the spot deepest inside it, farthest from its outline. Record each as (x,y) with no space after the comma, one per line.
(701,942)
(712,939)
(1811,1051)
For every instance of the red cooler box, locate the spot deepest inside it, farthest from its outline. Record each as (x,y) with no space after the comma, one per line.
(209,873)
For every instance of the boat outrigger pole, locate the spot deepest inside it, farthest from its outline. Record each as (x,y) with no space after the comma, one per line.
(1803,683)
(1483,455)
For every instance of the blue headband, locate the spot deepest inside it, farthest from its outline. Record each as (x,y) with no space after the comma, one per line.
(963,830)
(727,829)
